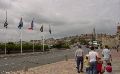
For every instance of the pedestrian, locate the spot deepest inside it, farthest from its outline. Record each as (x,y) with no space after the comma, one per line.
(106,53)
(93,61)
(87,64)
(99,65)
(108,68)
(117,48)
(79,59)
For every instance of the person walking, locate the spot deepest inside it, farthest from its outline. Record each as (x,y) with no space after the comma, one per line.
(117,48)
(106,53)
(93,61)
(99,66)
(87,64)
(108,68)
(79,59)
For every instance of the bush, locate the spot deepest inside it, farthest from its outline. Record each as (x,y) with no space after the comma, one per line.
(66,46)
(57,46)
(40,47)
(61,46)
(2,46)
(27,47)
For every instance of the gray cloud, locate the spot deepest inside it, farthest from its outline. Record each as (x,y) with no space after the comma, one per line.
(6,4)
(67,17)
(106,26)
(40,19)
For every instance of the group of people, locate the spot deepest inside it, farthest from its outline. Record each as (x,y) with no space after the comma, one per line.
(93,62)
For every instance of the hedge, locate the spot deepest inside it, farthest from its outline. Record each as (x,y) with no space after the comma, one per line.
(61,46)
(27,47)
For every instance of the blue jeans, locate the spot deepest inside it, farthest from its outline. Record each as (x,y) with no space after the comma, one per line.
(80,63)
(88,70)
(93,67)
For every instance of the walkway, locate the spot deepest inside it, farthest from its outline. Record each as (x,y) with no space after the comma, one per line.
(67,67)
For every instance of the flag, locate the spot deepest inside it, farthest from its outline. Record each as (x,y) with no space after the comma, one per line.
(49,29)
(6,23)
(20,24)
(32,24)
(41,29)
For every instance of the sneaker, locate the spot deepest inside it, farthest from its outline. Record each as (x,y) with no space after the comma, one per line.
(78,71)
(81,71)
(77,67)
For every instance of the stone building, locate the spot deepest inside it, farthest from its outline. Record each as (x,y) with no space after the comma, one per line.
(112,40)
(118,34)
(109,40)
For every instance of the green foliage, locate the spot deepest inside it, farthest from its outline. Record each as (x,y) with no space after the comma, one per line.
(2,46)
(10,43)
(27,47)
(72,41)
(83,41)
(61,45)
(66,46)
(46,47)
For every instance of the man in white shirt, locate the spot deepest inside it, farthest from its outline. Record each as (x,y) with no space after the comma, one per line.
(79,59)
(93,61)
(106,55)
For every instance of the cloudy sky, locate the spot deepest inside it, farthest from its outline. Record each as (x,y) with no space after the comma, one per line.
(67,17)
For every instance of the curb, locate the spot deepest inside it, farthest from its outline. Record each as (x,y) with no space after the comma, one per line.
(22,54)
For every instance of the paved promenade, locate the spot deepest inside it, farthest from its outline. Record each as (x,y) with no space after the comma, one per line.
(116,62)
(67,67)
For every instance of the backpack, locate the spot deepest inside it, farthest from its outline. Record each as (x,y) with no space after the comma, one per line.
(108,68)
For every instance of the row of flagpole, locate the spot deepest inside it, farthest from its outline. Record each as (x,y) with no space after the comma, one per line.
(20,28)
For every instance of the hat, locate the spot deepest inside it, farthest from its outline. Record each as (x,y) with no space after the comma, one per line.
(87,55)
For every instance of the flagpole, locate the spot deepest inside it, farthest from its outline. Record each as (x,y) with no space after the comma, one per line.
(49,37)
(5,48)
(5,35)
(21,40)
(41,29)
(33,46)
(20,28)
(33,36)
(5,42)
(43,42)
